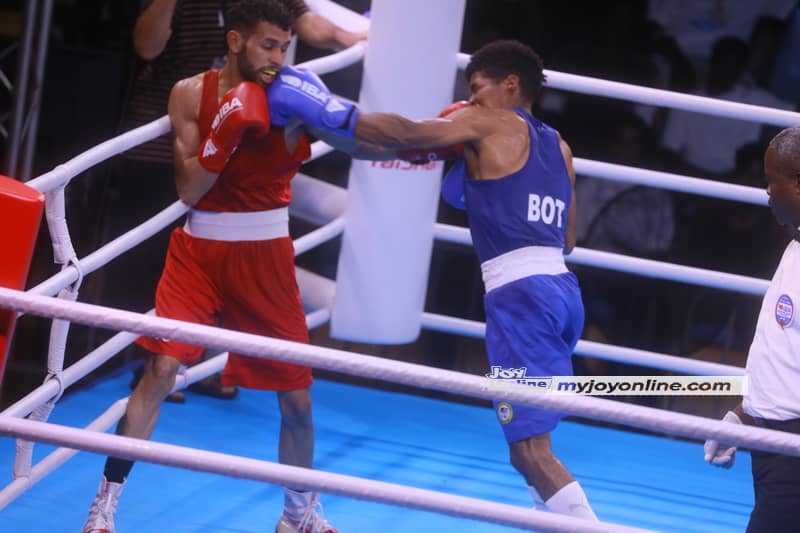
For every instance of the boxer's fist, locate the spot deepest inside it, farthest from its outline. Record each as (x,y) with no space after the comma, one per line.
(242,108)
(299,93)
(439,153)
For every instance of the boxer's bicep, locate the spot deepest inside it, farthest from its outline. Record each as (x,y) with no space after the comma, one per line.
(182,116)
(183,108)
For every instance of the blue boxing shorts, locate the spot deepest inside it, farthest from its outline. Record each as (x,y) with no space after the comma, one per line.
(533,322)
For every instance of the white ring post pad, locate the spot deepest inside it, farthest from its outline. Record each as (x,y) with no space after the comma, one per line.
(409,68)
(20,216)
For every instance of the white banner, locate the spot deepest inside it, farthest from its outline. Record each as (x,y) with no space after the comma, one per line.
(502,378)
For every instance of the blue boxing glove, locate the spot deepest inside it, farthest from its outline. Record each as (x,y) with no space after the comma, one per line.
(299,93)
(453,185)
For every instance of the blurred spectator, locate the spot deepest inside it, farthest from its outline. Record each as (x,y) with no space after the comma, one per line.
(623,217)
(709,143)
(627,219)
(719,324)
(697,24)
(785,79)
(765,44)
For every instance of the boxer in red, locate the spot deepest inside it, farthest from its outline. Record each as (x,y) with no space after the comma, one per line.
(232,264)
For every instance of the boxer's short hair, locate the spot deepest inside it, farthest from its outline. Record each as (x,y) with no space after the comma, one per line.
(244,15)
(499,59)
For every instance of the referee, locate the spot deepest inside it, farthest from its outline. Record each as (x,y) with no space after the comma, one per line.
(773,363)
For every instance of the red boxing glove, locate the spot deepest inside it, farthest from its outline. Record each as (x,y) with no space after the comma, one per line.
(420,156)
(242,108)
(452,108)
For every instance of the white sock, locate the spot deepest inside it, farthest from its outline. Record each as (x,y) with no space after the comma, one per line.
(295,503)
(571,500)
(538,502)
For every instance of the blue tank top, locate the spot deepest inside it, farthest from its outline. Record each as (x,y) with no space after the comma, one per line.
(526,208)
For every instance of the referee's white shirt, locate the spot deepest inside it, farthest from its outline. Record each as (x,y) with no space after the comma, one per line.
(773,363)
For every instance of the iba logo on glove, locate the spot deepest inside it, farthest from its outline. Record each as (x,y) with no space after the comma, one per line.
(224,111)
(309,89)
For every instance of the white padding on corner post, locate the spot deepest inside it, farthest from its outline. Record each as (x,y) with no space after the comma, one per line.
(409,68)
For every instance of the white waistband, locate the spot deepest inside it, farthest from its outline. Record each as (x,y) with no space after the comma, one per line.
(252,226)
(521,263)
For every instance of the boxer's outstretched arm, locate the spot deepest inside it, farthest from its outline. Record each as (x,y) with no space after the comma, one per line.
(355,148)
(389,129)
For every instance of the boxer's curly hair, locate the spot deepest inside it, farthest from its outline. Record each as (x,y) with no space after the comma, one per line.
(244,15)
(499,59)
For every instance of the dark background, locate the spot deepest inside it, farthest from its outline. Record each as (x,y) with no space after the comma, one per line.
(89,68)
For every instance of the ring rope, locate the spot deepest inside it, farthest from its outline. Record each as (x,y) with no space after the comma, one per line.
(663,98)
(609,352)
(670,181)
(245,468)
(404,373)
(635,265)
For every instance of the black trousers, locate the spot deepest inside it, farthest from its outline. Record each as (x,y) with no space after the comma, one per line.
(776,483)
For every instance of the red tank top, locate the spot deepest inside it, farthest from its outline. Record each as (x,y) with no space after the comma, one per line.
(258,174)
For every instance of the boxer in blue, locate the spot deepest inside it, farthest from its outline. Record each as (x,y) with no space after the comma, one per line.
(516,181)
(514,177)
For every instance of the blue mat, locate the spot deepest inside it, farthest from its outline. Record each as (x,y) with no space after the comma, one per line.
(631,479)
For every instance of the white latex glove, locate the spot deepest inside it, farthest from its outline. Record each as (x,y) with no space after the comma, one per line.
(721,454)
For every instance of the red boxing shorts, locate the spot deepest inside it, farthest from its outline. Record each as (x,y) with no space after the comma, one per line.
(248,286)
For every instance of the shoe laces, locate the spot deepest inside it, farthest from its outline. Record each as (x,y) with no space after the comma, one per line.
(313,522)
(103,507)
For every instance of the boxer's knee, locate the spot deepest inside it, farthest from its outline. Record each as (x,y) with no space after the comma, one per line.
(159,373)
(295,407)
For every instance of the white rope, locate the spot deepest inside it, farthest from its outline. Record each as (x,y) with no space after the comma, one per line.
(58,457)
(56,216)
(634,265)
(316,201)
(609,352)
(318,236)
(62,174)
(337,61)
(100,355)
(303,478)
(670,271)
(659,97)
(111,250)
(669,181)
(404,373)
(23,458)
(71,374)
